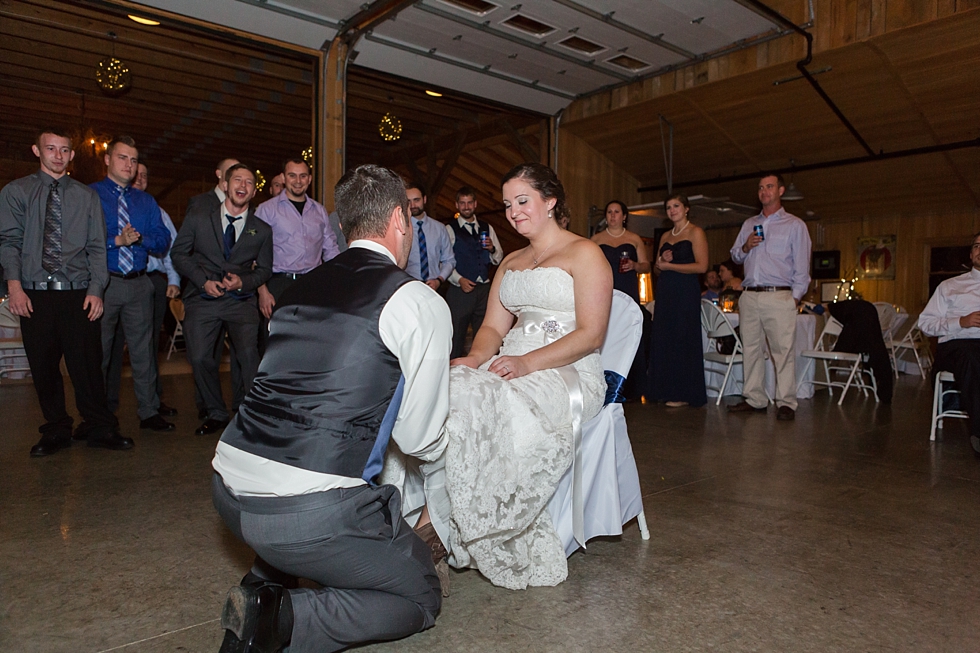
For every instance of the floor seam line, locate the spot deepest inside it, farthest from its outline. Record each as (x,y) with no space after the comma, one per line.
(147,639)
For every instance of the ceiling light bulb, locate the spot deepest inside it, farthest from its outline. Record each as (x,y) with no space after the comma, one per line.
(433,94)
(143,21)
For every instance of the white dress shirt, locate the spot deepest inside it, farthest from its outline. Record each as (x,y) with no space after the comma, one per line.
(416,327)
(495,258)
(953,299)
(782,258)
(239,223)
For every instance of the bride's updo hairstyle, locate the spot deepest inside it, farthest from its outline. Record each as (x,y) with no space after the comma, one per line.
(544,180)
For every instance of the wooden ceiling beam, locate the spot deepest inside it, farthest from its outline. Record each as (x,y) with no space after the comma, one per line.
(447,164)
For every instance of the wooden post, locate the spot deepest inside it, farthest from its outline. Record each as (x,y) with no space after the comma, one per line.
(329,124)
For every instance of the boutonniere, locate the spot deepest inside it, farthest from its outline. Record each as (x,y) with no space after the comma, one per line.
(251,232)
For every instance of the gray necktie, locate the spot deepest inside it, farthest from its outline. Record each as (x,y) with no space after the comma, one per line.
(51,254)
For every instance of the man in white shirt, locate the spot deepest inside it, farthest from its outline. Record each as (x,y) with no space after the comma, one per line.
(953,315)
(358,353)
(431,259)
(475,248)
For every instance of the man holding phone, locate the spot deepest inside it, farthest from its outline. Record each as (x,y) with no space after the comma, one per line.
(226,253)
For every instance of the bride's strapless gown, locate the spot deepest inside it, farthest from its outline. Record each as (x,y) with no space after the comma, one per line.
(510,442)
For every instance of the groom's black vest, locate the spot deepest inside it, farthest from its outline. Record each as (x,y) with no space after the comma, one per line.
(327,379)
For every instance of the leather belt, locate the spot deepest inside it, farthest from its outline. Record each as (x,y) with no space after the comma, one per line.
(54,285)
(289,275)
(766,288)
(131,275)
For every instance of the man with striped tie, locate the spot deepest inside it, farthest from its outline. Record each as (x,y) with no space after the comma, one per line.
(431,259)
(52,249)
(134,230)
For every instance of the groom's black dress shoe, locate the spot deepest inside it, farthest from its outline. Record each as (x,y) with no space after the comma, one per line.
(50,444)
(211,426)
(257,619)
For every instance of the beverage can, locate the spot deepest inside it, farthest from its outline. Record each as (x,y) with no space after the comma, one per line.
(758,232)
(484,239)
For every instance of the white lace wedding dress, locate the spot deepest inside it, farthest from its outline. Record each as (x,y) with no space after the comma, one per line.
(510,442)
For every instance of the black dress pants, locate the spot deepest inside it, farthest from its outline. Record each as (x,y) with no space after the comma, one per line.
(962,358)
(59,327)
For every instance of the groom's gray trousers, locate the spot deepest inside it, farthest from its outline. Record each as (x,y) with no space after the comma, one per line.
(378,579)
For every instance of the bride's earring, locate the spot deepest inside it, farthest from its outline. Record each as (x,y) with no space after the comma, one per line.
(551,213)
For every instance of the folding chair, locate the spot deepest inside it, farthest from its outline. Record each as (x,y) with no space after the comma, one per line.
(11,349)
(938,395)
(609,480)
(177,310)
(716,325)
(916,342)
(850,364)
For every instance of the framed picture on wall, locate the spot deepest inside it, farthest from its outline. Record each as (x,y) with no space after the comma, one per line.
(876,257)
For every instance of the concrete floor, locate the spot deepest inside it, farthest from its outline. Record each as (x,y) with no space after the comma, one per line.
(843,531)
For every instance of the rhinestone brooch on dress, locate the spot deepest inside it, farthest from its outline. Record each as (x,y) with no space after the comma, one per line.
(551,326)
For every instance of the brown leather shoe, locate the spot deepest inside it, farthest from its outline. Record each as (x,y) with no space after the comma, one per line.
(428,535)
(785,414)
(745,407)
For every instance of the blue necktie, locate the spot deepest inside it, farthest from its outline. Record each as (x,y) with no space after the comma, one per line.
(122,218)
(423,254)
(230,235)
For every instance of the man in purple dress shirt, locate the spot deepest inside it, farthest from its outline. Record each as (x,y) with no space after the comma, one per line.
(302,238)
(777,275)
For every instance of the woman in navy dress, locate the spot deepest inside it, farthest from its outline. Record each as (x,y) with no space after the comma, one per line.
(676,368)
(627,256)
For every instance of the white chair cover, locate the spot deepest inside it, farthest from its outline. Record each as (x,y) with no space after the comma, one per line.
(610,481)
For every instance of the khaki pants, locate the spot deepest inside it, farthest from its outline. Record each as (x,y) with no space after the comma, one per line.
(768,316)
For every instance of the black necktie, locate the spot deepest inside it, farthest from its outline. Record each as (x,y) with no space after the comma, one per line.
(230,235)
(51,254)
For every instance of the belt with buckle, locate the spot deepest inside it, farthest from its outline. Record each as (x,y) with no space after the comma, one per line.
(289,275)
(54,285)
(766,288)
(130,275)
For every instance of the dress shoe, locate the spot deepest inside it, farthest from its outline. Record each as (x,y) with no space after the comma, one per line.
(257,619)
(211,426)
(81,432)
(785,414)
(166,411)
(252,579)
(50,444)
(745,407)
(157,423)
(202,413)
(112,441)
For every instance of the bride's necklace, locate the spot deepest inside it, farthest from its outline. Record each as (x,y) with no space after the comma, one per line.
(609,231)
(678,233)
(536,258)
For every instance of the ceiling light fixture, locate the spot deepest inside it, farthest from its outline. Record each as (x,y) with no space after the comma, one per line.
(143,21)
(792,193)
(433,94)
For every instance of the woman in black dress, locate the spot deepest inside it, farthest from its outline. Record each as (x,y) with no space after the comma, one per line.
(676,368)
(627,256)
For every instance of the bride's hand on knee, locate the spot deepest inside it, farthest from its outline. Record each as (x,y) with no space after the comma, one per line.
(510,367)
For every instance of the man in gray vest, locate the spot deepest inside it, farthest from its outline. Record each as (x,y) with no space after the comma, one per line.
(358,353)
(476,248)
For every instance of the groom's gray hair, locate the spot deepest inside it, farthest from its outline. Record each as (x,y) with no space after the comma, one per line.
(365,197)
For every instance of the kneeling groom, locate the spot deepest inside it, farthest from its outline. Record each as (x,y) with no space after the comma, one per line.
(358,352)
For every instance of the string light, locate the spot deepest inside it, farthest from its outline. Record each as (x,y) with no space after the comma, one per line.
(113,75)
(308,157)
(259,180)
(390,127)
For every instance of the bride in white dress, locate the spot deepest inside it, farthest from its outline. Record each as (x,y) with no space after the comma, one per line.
(533,369)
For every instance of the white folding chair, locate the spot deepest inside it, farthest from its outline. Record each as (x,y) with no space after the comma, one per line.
(716,325)
(850,364)
(915,342)
(609,479)
(938,395)
(11,349)
(177,310)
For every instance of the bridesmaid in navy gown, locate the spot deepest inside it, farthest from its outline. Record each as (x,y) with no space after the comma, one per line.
(676,368)
(627,256)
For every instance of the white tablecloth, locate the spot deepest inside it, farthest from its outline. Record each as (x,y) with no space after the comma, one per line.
(806,333)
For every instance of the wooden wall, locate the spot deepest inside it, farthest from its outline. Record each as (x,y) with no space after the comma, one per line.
(590,179)
(916,235)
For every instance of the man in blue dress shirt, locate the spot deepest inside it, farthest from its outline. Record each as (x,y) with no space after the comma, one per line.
(134,230)
(431,259)
(777,275)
